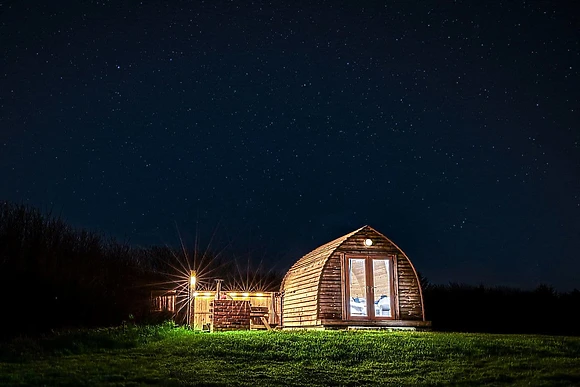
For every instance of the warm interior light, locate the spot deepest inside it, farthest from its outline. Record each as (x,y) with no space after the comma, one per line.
(234,294)
(260,294)
(245,294)
(368,242)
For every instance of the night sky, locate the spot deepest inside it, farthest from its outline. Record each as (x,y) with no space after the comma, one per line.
(451,127)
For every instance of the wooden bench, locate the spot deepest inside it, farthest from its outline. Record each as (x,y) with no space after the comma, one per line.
(259,318)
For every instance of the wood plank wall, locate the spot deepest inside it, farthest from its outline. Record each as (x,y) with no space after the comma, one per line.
(299,305)
(410,306)
(330,296)
(300,286)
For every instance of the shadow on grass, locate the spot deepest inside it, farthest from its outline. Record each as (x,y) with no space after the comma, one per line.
(86,341)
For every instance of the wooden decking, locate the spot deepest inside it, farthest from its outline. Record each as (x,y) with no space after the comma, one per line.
(376,324)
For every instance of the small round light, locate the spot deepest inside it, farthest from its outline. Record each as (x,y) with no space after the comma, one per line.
(368,242)
(259,294)
(195,294)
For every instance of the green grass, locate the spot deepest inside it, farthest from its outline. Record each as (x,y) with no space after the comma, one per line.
(169,356)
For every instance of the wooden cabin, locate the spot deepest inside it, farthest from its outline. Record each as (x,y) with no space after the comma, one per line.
(361,279)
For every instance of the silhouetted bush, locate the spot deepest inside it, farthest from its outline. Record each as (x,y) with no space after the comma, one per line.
(467,308)
(53,276)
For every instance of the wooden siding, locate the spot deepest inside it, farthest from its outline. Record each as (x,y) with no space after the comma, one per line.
(300,286)
(409,294)
(330,293)
(313,291)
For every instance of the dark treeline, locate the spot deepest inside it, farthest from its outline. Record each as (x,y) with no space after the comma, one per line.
(53,276)
(467,308)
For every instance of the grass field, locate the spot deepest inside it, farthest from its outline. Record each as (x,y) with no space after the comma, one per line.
(165,355)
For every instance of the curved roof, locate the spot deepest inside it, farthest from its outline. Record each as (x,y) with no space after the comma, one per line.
(320,255)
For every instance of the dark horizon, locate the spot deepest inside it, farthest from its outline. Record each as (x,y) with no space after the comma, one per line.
(452,129)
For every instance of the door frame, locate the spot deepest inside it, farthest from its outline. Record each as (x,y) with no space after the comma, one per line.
(369,278)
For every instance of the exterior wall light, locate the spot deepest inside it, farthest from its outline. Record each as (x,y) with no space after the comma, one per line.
(191,299)
(245,294)
(368,242)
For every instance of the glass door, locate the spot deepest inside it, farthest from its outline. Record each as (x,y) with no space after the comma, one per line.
(381,289)
(357,279)
(369,288)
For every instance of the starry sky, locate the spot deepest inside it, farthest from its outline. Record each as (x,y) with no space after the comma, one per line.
(451,127)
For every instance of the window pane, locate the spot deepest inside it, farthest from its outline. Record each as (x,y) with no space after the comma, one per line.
(382,288)
(357,280)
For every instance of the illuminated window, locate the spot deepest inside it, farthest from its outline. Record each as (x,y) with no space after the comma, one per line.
(369,288)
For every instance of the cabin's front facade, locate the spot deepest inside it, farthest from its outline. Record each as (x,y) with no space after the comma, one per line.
(361,279)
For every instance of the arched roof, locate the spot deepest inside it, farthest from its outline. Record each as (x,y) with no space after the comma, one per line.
(316,259)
